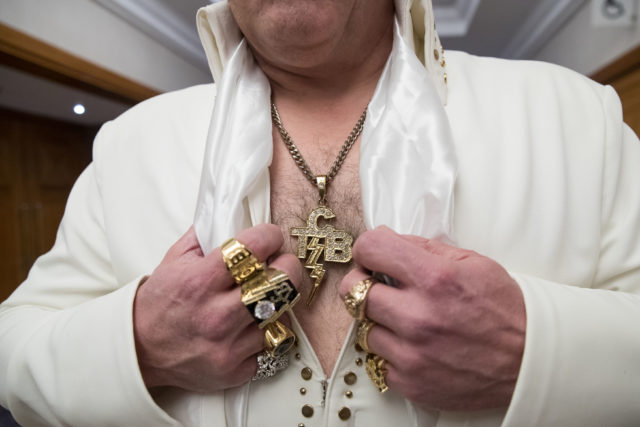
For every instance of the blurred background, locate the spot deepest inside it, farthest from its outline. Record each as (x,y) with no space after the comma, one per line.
(66,66)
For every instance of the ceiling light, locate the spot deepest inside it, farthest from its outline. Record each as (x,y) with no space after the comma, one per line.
(79,109)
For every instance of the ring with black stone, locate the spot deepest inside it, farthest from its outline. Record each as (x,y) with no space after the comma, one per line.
(268,296)
(278,339)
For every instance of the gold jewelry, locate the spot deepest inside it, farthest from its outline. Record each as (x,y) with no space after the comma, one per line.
(240,262)
(362,334)
(376,370)
(356,299)
(333,244)
(278,339)
(268,295)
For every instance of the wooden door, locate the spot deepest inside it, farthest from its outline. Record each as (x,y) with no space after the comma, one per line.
(624,75)
(628,87)
(11,190)
(40,160)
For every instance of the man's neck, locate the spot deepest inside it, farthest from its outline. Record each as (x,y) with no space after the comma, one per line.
(331,80)
(349,79)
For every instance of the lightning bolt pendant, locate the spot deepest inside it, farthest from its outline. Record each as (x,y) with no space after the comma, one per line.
(334,245)
(317,269)
(319,244)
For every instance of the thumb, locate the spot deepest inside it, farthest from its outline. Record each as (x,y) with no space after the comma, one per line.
(187,244)
(436,247)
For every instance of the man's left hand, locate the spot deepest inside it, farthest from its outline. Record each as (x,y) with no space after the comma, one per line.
(453,330)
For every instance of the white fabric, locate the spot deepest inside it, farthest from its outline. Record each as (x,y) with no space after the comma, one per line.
(406,125)
(238,154)
(547,186)
(220,37)
(281,399)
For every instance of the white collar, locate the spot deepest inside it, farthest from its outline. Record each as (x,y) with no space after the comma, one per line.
(220,36)
(407,159)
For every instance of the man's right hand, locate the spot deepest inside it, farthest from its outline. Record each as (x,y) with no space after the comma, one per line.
(191,329)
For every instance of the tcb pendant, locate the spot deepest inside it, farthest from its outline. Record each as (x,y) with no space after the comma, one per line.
(319,244)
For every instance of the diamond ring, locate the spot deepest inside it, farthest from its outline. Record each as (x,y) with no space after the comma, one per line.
(268,296)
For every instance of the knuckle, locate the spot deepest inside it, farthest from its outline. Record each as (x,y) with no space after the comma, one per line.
(263,240)
(410,362)
(226,358)
(419,327)
(289,264)
(191,284)
(223,362)
(444,274)
(414,328)
(364,243)
(293,261)
(214,325)
(191,288)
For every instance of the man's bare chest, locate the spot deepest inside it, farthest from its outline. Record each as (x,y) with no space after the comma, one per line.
(293,197)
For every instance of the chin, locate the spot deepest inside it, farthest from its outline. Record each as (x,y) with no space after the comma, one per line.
(293,28)
(306,21)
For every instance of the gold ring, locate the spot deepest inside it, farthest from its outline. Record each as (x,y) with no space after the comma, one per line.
(377,370)
(362,334)
(356,299)
(278,339)
(268,295)
(240,262)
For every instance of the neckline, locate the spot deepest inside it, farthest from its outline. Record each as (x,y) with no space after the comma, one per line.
(308,348)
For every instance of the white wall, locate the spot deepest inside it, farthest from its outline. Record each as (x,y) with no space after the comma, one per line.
(85,29)
(585,48)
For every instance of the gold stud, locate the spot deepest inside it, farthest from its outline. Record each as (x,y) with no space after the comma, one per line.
(303,391)
(446,79)
(298,356)
(348,394)
(350,378)
(344,413)
(306,373)
(359,361)
(307,411)
(301,425)
(436,54)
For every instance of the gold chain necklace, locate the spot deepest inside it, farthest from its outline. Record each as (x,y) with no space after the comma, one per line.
(332,244)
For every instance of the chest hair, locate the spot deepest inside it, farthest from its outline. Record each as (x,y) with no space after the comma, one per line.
(293,197)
